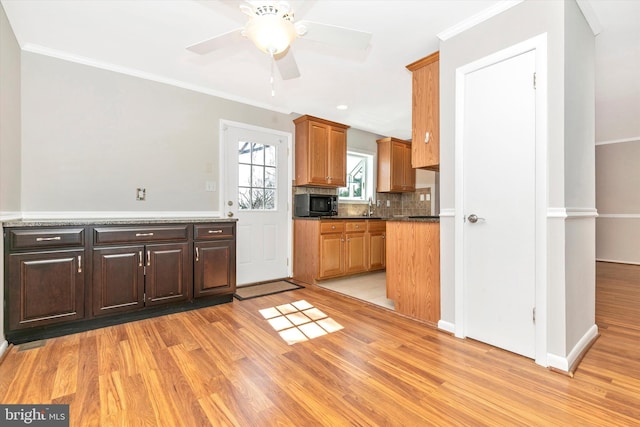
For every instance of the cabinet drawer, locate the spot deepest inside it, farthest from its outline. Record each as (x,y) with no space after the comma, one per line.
(46,238)
(352,226)
(331,226)
(377,226)
(108,235)
(215,231)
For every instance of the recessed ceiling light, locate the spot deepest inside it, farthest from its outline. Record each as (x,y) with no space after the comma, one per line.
(342,107)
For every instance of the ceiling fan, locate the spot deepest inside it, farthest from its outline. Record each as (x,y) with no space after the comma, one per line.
(272,29)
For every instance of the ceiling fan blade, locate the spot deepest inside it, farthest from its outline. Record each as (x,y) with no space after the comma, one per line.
(336,36)
(217,42)
(287,65)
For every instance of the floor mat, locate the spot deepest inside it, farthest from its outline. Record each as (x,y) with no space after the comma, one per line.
(262,289)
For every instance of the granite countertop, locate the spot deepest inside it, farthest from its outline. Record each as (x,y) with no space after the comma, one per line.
(416,218)
(109,221)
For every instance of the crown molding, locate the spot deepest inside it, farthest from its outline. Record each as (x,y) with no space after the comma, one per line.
(477,19)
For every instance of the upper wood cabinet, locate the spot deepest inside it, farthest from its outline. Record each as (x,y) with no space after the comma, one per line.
(395,174)
(426,112)
(321,152)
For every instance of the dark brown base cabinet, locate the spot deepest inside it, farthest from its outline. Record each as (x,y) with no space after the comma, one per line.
(52,288)
(215,259)
(46,288)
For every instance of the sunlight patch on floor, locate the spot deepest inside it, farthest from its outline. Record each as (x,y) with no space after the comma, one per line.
(299,321)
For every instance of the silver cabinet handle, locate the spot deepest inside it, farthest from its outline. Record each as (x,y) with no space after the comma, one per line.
(148,257)
(197,254)
(215,231)
(79,263)
(46,239)
(144,234)
(140,259)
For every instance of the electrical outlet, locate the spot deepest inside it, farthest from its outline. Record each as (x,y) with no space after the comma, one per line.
(141,194)
(210,186)
(422,197)
(388,203)
(428,197)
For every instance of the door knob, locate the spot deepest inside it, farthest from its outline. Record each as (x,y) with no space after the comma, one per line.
(473,218)
(230,214)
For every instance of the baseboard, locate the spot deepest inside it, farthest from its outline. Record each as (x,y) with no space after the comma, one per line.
(617,261)
(447,326)
(567,364)
(3,347)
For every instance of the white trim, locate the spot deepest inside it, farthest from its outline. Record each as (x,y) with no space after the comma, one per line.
(565,363)
(117,214)
(445,213)
(41,50)
(617,261)
(478,18)
(10,216)
(539,45)
(446,326)
(222,177)
(556,213)
(3,347)
(619,216)
(573,213)
(619,141)
(590,16)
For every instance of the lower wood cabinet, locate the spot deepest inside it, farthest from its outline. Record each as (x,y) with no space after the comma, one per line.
(45,288)
(325,249)
(215,259)
(51,283)
(377,243)
(128,278)
(413,268)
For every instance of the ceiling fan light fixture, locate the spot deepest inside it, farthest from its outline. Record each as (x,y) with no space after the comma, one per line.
(271,33)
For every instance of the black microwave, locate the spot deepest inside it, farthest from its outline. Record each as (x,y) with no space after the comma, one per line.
(315,205)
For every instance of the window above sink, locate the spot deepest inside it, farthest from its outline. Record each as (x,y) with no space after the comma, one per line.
(359,178)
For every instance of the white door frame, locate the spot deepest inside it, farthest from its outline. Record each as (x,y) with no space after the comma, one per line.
(222,194)
(539,44)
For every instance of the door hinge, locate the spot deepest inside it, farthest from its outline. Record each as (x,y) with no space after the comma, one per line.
(534,315)
(534,80)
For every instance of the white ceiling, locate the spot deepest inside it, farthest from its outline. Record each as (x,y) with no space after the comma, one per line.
(148,38)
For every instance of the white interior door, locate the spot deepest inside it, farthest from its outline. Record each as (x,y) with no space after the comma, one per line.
(499,203)
(257,191)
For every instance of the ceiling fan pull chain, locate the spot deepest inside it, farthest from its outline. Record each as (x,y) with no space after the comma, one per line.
(273,61)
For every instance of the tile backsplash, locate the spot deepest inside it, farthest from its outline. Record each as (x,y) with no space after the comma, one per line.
(400,204)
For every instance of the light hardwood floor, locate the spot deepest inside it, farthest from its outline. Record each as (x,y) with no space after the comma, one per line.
(227,365)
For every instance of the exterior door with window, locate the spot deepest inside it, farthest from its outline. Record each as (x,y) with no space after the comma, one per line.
(256,193)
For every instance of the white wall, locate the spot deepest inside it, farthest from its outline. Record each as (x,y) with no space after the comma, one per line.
(90,137)
(9,139)
(9,119)
(570,180)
